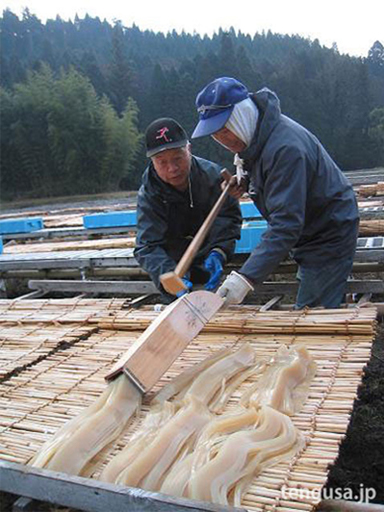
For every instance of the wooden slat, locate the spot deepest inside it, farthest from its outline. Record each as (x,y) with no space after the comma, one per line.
(158,347)
(71,245)
(120,287)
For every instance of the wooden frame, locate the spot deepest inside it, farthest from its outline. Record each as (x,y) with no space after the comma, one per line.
(121,287)
(92,495)
(144,287)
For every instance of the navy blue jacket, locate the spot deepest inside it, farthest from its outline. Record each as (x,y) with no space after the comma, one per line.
(309,204)
(167,219)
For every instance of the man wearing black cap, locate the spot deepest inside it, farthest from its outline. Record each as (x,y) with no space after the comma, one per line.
(309,204)
(177,193)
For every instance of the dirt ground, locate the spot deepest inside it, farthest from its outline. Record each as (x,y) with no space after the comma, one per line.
(360,464)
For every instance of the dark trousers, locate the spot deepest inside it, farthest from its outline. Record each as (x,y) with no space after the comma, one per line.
(323,286)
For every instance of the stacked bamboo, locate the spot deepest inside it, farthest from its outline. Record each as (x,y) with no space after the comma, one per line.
(38,401)
(22,345)
(67,217)
(58,221)
(370,203)
(50,214)
(74,245)
(371,227)
(55,217)
(376,189)
(57,311)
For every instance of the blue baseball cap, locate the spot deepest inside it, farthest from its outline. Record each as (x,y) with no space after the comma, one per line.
(215,104)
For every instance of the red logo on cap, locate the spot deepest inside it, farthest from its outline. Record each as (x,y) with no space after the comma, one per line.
(163,134)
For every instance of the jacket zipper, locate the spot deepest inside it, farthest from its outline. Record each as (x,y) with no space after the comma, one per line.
(190,192)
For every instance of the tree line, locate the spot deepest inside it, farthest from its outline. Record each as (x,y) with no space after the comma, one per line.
(77,95)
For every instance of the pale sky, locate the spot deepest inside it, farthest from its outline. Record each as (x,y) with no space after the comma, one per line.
(353,25)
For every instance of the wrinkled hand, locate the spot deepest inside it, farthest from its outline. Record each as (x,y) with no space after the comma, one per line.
(236,190)
(214,264)
(188,285)
(234,289)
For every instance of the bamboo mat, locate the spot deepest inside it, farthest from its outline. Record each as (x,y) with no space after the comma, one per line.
(57,311)
(23,345)
(31,329)
(74,245)
(39,400)
(248,319)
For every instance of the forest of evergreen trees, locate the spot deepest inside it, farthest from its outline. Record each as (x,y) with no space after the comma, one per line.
(76,97)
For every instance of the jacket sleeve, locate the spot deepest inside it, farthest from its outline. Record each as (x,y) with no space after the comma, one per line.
(285,192)
(151,229)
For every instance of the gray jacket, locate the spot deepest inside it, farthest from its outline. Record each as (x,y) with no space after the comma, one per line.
(309,204)
(167,219)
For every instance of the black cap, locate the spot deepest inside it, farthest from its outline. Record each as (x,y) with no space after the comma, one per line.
(164,133)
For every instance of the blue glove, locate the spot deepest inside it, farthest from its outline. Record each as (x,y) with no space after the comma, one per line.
(214,264)
(188,284)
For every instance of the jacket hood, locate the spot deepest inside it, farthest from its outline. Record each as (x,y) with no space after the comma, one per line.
(269,115)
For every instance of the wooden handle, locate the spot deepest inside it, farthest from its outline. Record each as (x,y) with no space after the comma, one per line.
(198,239)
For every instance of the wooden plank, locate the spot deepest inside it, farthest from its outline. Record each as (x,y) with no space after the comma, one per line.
(24,505)
(366,180)
(49,233)
(165,339)
(32,295)
(124,259)
(269,305)
(121,287)
(74,259)
(365,298)
(92,495)
(42,261)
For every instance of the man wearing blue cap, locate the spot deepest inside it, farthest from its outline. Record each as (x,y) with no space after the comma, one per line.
(309,204)
(178,191)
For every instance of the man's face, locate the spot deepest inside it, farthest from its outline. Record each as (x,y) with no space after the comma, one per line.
(173,166)
(229,140)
